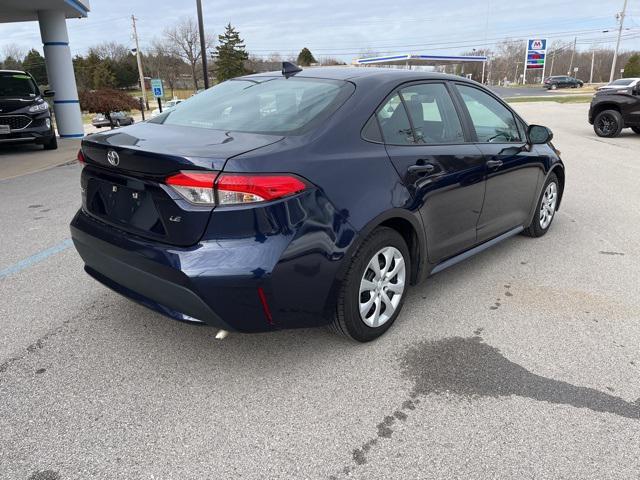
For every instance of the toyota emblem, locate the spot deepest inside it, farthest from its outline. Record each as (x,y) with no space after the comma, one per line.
(113,157)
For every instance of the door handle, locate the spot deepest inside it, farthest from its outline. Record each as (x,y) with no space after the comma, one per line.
(426,168)
(494,163)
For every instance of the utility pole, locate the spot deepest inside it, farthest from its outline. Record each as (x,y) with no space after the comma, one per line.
(593,61)
(553,60)
(573,54)
(203,45)
(615,53)
(139,58)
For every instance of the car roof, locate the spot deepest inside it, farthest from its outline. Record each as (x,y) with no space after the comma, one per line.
(355,73)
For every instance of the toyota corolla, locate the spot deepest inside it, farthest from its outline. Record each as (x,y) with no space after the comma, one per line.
(309,198)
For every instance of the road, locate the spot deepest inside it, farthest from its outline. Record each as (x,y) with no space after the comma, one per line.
(511,92)
(522,362)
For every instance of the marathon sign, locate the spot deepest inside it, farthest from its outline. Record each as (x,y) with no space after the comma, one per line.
(536,53)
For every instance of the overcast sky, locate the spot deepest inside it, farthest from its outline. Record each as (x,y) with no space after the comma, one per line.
(347,28)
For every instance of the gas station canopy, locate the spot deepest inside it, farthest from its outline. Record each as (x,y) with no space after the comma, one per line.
(27,10)
(413,59)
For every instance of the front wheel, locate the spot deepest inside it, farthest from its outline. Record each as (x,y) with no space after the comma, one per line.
(608,124)
(546,208)
(375,287)
(51,144)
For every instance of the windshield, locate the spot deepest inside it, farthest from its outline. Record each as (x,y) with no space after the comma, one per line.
(624,81)
(17,85)
(275,106)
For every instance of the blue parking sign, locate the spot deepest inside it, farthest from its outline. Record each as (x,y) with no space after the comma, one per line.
(156,87)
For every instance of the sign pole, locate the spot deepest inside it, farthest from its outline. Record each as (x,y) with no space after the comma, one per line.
(544,67)
(526,58)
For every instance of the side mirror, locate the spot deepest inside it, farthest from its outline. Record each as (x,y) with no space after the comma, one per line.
(539,135)
(49,93)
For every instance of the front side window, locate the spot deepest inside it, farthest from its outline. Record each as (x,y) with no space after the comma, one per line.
(276,106)
(493,122)
(435,120)
(394,122)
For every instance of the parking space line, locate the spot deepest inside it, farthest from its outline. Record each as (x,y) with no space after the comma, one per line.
(36,258)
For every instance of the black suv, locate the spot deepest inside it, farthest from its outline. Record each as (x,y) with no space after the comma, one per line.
(613,110)
(562,81)
(24,114)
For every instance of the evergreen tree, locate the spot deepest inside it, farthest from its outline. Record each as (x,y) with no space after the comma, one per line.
(632,68)
(34,64)
(231,55)
(11,63)
(305,57)
(103,77)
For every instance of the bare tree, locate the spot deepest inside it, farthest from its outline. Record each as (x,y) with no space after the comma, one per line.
(113,50)
(163,63)
(183,41)
(14,51)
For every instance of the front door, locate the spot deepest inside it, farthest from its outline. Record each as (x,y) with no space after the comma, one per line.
(427,144)
(513,171)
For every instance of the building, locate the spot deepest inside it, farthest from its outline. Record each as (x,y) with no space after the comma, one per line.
(52,16)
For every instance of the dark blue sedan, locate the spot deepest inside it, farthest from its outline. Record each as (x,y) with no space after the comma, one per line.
(309,198)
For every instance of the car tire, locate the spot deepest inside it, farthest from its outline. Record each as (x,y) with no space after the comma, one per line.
(636,129)
(545,208)
(51,144)
(387,247)
(608,124)
(554,87)
(118,123)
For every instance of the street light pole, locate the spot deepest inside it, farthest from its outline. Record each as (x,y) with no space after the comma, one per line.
(615,53)
(203,45)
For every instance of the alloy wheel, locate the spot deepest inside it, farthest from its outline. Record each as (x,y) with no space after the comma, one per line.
(382,286)
(607,125)
(548,205)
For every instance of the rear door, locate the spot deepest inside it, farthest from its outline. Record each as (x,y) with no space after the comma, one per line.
(513,168)
(427,143)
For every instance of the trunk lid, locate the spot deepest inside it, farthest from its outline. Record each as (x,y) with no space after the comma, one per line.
(129,192)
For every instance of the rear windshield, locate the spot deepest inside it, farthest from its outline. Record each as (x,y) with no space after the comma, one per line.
(17,85)
(622,82)
(273,106)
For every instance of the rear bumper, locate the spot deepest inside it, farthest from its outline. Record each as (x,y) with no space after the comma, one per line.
(173,281)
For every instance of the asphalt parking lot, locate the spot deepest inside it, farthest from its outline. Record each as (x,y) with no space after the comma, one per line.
(522,362)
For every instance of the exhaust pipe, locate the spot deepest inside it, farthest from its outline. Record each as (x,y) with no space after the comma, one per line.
(221,335)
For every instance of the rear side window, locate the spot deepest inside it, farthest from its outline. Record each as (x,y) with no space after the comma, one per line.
(493,122)
(275,106)
(394,122)
(434,117)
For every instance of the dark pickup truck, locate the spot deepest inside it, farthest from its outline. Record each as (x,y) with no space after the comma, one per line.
(613,110)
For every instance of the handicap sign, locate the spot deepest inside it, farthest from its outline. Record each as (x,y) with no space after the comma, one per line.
(156,87)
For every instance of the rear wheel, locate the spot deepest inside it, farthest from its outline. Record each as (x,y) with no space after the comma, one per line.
(608,124)
(375,287)
(546,209)
(554,86)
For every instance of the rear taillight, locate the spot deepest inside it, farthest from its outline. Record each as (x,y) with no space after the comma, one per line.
(233,189)
(195,187)
(236,189)
(80,157)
